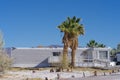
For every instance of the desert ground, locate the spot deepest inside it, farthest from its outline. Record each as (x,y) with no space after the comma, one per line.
(66,75)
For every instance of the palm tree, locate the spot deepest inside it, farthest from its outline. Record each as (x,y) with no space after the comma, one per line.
(71,29)
(101,45)
(92,43)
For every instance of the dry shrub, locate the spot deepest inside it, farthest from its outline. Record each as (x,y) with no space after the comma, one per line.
(5,61)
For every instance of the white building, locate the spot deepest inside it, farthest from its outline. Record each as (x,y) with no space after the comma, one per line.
(44,57)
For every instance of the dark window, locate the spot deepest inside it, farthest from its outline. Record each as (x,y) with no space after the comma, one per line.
(103,54)
(56,53)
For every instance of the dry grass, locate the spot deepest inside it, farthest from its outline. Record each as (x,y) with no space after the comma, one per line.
(20,69)
(91,69)
(75,69)
(33,79)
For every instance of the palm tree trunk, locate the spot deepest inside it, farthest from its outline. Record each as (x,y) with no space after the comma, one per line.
(73,57)
(65,57)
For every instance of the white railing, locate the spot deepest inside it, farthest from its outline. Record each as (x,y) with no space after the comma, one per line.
(82,62)
(92,63)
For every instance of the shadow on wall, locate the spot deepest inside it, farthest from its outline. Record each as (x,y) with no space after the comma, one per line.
(86,51)
(43,64)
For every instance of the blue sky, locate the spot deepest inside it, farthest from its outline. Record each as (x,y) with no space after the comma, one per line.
(29,23)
